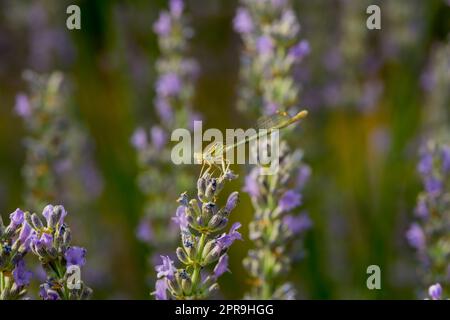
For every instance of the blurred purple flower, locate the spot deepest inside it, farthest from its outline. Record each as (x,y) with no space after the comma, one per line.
(303,174)
(251,184)
(21,275)
(271,108)
(416,237)
(159,137)
(300,50)
(433,186)
(290,200)
(139,139)
(166,269)
(164,110)
(161,289)
(168,84)
(176,7)
(425,165)
(435,291)
(22,107)
(422,208)
(221,266)
(144,231)
(163,25)
(226,240)
(75,256)
(242,22)
(181,218)
(264,45)
(297,224)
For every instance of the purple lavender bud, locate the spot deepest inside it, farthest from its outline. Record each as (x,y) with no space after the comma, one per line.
(159,137)
(433,186)
(47,240)
(22,107)
(161,289)
(422,208)
(446,159)
(25,232)
(297,224)
(232,201)
(264,45)
(221,266)
(163,25)
(181,218)
(46,293)
(176,7)
(16,218)
(290,200)
(164,110)
(60,212)
(21,275)
(416,237)
(425,166)
(47,212)
(183,199)
(139,139)
(300,50)
(251,184)
(242,22)
(166,269)
(435,291)
(226,240)
(144,231)
(168,84)
(75,256)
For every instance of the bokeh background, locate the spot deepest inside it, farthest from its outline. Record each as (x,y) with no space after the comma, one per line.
(366,91)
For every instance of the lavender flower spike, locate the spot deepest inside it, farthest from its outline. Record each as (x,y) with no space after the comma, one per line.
(57,256)
(14,246)
(270,34)
(200,221)
(428,235)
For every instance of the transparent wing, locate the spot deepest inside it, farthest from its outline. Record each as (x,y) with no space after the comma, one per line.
(272,121)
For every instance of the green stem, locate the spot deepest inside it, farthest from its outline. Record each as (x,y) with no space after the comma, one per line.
(197,267)
(2,282)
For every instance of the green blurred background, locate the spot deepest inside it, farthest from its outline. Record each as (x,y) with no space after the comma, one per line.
(363,186)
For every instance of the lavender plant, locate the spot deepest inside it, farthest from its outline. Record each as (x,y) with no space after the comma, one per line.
(272,50)
(275,225)
(14,277)
(200,222)
(56,147)
(50,241)
(429,235)
(174,91)
(270,31)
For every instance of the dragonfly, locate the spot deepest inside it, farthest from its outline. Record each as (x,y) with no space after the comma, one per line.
(215,153)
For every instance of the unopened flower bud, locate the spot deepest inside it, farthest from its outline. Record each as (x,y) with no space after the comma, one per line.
(182,256)
(36,222)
